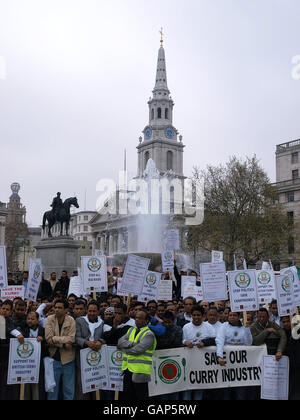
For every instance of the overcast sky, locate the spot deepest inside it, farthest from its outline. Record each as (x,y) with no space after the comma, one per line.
(79,74)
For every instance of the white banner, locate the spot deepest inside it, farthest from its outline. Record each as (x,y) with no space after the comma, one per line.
(134,274)
(94,274)
(173,240)
(182,369)
(24,362)
(213,281)
(34,279)
(151,286)
(216,256)
(3,268)
(93,369)
(167,261)
(296,282)
(266,289)
(243,290)
(11,292)
(165,290)
(275,379)
(285,294)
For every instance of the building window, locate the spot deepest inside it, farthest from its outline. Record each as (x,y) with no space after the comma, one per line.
(290,196)
(167,113)
(146,158)
(291,245)
(78,218)
(158,112)
(85,239)
(295,174)
(290,215)
(295,157)
(152,114)
(86,218)
(85,228)
(78,228)
(169,160)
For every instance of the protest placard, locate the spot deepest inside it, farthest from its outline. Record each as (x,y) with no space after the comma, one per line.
(114,359)
(275,378)
(213,281)
(76,286)
(216,256)
(182,369)
(11,292)
(266,289)
(173,240)
(296,282)
(285,294)
(243,290)
(165,290)
(3,268)
(94,274)
(34,279)
(93,369)
(2,328)
(151,286)
(24,362)
(134,274)
(189,288)
(167,261)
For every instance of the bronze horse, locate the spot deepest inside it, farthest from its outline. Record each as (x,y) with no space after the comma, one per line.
(62,216)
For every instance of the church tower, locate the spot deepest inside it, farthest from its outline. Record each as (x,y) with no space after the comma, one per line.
(161,141)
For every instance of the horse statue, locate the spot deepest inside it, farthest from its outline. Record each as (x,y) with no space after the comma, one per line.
(61,214)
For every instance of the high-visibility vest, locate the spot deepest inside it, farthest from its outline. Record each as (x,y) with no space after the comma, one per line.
(141,363)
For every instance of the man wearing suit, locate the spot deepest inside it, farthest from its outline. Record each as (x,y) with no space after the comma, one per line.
(89,333)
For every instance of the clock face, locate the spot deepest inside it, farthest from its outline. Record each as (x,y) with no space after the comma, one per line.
(169,133)
(148,133)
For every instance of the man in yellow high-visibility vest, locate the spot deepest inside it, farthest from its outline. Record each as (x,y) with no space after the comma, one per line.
(138,346)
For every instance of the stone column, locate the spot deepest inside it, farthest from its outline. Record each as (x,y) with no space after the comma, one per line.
(102,243)
(120,241)
(94,237)
(131,240)
(111,244)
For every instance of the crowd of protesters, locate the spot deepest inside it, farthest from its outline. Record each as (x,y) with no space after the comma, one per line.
(65,324)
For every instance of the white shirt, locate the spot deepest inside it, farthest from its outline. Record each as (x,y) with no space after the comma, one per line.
(232,336)
(195,334)
(216,326)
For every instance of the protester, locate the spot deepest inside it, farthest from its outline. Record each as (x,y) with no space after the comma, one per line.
(233,333)
(138,346)
(89,333)
(186,316)
(197,334)
(60,334)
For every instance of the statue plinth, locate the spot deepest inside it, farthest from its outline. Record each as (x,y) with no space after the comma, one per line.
(58,254)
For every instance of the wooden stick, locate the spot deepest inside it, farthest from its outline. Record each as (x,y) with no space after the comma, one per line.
(128,301)
(22,392)
(116,396)
(245,318)
(97,392)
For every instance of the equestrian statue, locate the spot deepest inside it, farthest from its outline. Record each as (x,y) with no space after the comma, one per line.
(60,213)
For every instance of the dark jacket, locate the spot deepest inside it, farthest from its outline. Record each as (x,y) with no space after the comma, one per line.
(112,337)
(171,339)
(45,289)
(181,321)
(273,341)
(62,286)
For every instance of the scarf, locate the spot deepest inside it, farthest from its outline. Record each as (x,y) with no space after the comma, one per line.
(92,326)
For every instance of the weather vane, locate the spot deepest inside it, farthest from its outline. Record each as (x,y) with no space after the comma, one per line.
(161,39)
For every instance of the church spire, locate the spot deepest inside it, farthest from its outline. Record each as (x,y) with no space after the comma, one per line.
(161,71)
